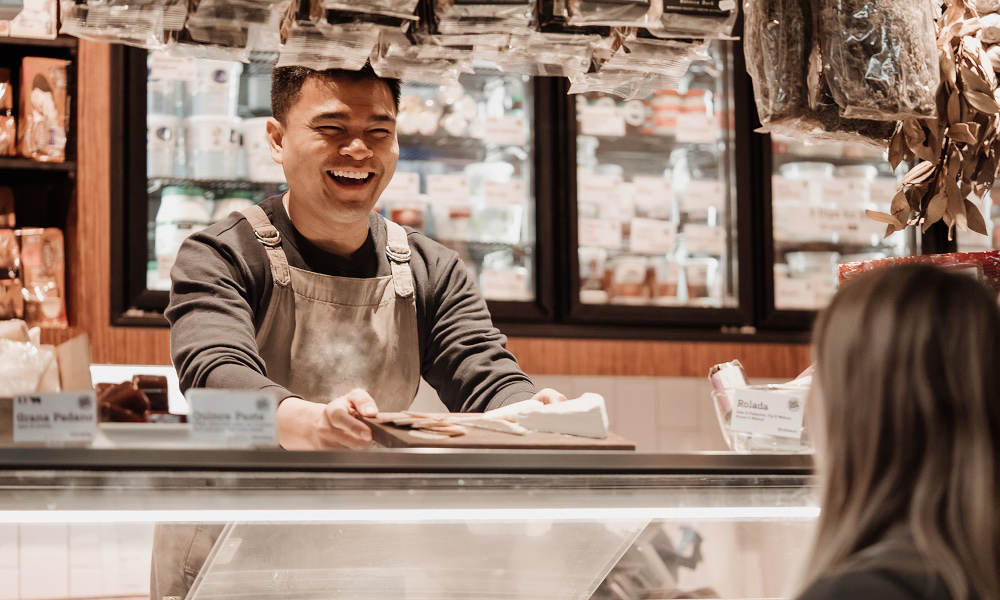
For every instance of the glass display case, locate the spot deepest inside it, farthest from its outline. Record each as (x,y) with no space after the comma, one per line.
(402,524)
(464,175)
(819,194)
(657,226)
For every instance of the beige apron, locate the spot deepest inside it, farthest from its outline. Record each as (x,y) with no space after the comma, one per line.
(321,337)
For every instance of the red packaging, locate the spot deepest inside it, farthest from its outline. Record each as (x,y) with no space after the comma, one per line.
(43,266)
(987,264)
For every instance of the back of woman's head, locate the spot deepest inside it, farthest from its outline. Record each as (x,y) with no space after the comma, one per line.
(908,425)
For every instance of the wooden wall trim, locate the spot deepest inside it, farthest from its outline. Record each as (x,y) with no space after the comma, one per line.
(89,280)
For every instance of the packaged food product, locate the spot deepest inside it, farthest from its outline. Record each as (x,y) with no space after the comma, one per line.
(629,280)
(43,262)
(162,133)
(182,211)
(666,278)
(725,378)
(11,299)
(880,57)
(44,108)
(213,146)
(8,124)
(987,263)
(10,255)
(701,275)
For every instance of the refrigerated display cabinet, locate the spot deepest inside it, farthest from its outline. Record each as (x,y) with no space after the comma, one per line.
(465,174)
(658,228)
(402,524)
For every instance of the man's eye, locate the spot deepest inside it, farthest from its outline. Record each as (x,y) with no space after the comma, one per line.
(380,132)
(330,128)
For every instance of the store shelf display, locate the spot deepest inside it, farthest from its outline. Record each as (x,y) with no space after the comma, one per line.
(664,238)
(819,198)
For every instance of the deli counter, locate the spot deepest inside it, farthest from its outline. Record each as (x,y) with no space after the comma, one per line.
(416,523)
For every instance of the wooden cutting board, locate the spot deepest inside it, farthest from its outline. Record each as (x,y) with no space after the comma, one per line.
(391,436)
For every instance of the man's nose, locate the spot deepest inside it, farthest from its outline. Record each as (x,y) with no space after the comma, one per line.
(356,150)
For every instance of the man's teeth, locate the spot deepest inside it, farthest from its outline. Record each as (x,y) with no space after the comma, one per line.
(350,174)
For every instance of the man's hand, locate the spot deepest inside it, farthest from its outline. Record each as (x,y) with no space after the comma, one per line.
(549,396)
(304,425)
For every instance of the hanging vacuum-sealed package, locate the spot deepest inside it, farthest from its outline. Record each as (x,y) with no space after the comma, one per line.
(398,57)
(483,16)
(144,24)
(880,57)
(708,19)
(776,48)
(309,46)
(640,67)
(615,13)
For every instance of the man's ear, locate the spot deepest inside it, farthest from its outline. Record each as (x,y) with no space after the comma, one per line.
(275,139)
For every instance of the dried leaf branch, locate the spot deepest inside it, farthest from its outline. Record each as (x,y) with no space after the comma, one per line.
(957,153)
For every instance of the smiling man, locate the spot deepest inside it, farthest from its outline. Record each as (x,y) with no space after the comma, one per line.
(314,297)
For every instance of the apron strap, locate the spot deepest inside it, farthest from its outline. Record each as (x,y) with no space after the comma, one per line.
(398,251)
(269,237)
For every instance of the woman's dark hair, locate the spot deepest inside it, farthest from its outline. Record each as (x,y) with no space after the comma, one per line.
(906,412)
(287,81)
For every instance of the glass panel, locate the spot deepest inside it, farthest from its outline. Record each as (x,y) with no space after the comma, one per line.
(819,194)
(656,193)
(361,536)
(464,173)
(464,176)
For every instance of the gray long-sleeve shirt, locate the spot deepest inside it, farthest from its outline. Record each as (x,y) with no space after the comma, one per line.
(222,285)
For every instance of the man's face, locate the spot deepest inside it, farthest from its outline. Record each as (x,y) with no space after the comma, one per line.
(337,146)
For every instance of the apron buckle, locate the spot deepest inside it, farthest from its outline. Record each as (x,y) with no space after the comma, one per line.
(269,237)
(398,255)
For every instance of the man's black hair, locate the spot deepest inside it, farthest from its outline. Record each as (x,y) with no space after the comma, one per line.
(287,81)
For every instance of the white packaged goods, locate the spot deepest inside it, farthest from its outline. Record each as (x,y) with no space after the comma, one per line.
(213,147)
(260,166)
(182,212)
(231,202)
(216,87)
(162,133)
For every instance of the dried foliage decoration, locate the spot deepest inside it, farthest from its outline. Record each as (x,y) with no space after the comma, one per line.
(956,153)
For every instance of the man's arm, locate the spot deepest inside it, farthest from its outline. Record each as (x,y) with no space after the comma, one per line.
(464,356)
(212,338)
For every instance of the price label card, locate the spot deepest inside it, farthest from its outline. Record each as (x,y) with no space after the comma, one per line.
(506,131)
(507,192)
(770,412)
(403,186)
(171,67)
(56,419)
(232,418)
(701,194)
(696,128)
(652,236)
(597,189)
(601,119)
(791,191)
(704,239)
(454,188)
(600,233)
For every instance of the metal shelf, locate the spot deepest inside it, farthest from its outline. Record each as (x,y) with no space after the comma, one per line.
(156,183)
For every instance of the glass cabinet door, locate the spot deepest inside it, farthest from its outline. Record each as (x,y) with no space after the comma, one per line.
(655,194)
(464,175)
(819,194)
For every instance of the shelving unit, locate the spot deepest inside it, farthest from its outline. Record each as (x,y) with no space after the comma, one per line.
(44,191)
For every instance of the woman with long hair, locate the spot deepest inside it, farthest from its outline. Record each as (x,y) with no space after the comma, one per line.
(906,418)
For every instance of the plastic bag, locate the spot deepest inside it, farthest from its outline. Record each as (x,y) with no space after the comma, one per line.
(641,67)
(548,55)
(145,25)
(776,49)
(346,46)
(391,8)
(619,13)
(22,365)
(397,57)
(880,57)
(482,16)
(707,19)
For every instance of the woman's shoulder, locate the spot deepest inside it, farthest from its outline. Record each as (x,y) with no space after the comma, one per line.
(877,584)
